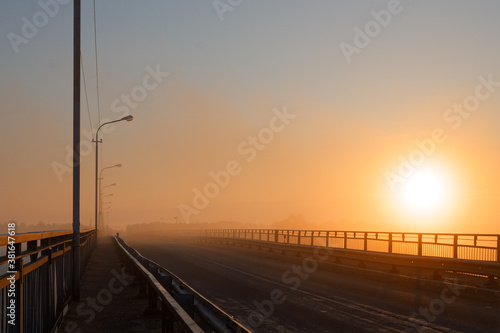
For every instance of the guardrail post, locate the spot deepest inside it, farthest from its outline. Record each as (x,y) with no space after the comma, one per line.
(365,245)
(299,237)
(419,245)
(455,246)
(390,243)
(276,236)
(345,239)
(166,281)
(327,243)
(186,301)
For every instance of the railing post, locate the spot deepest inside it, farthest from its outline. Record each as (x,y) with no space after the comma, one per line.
(32,247)
(312,238)
(455,246)
(299,237)
(390,243)
(276,236)
(345,239)
(327,243)
(498,248)
(365,245)
(419,245)
(19,288)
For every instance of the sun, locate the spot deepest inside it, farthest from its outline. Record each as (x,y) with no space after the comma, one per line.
(425,191)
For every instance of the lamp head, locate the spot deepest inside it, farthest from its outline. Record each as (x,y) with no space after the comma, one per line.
(128,118)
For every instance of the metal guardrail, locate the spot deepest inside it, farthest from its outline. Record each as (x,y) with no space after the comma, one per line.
(179,303)
(39,283)
(481,247)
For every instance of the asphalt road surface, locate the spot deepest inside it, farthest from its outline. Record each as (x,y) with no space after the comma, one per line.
(275,293)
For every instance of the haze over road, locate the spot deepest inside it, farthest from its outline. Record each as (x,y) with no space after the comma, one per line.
(276,293)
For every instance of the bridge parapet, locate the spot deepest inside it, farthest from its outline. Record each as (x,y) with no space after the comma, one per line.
(37,278)
(482,247)
(421,256)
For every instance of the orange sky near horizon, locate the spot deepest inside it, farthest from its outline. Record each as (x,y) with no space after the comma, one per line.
(276,107)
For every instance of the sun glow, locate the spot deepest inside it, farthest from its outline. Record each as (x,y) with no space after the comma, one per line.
(426,192)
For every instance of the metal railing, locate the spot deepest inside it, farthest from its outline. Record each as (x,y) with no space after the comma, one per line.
(36,278)
(481,247)
(179,303)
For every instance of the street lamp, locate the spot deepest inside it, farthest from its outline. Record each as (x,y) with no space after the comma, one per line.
(97,141)
(101,205)
(98,194)
(101,188)
(114,184)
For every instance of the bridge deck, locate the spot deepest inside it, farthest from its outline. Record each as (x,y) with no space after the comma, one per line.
(110,300)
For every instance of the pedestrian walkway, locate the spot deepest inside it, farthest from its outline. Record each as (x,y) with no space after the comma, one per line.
(110,300)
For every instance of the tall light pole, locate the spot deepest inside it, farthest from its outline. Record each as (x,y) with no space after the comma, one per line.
(127,118)
(99,194)
(100,206)
(101,188)
(76,149)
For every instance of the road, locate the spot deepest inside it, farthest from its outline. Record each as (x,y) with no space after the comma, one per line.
(275,293)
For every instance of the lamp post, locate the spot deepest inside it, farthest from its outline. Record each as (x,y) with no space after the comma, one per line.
(127,118)
(101,188)
(98,185)
(100,206)
(105,218)
(97,141)
(76,155)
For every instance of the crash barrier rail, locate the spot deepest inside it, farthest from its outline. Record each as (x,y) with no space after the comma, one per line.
(179,303)
(471,254)
(36,278)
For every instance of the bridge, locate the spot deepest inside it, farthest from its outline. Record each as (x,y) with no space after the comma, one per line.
(255,280)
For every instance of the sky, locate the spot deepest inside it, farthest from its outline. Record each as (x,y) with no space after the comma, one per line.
(357,115)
